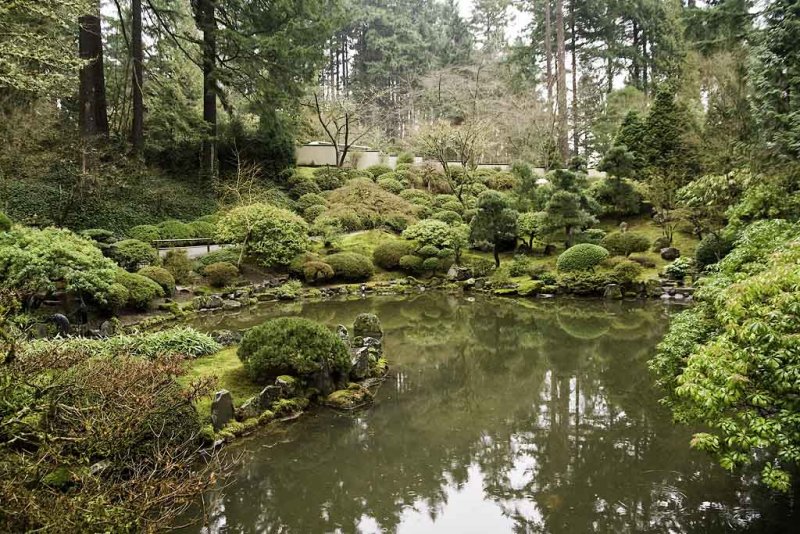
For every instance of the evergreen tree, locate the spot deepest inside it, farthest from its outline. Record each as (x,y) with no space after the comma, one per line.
(494,222)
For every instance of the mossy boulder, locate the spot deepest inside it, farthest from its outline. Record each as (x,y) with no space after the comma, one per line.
(355,396)
(367,325)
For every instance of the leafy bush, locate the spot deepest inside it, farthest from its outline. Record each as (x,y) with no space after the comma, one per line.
(174,229)
(301,185)
(202,229)
(416,196)
(292,346)
(428,251)
(405,158)
(659,243)
(378,170)
(229,254)
(439,234)
(431,265)
(221,274)
(39,261)
(271,235)
(131,254)
(350,266)
(411,263)
(642,260)
(311,213)
(625,243)
(144,232)
(387,254)
(329,178)
(160,276)
(448,216)
(583,257)
(141,290)
(480,267)
(5,222)
(179,265)
(679,269)
(297,263)
(712,248)
(361,204)
(626,272)
(308,200)
(317,271)
(502,181)
(390,184)
(520,266)
(592,235)
(583,283)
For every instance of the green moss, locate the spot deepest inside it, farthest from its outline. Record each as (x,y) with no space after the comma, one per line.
(60,478)
(283,407)
(265,417)
(349,398)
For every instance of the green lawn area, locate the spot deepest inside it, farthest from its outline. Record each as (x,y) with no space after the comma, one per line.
(230,373)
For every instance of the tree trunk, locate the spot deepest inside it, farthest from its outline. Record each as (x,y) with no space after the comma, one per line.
(206,21)
(137,126)
(93,117)
(496,256)
(644,63)
(575,133)
(548,51)
(561,83)
(636,74)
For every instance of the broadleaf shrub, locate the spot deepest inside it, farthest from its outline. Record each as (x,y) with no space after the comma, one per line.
(582,257)
(179,265)
(626,272)
(292,346)
(131,254)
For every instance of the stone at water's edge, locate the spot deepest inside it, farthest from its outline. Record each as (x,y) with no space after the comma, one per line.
(222,411)
(367,325)
(341,331)
(612,291)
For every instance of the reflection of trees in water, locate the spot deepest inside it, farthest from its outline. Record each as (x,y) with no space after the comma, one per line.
(548,399)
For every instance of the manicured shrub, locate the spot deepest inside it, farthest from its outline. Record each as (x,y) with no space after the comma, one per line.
(301,185)
(416,196)
(211,218)
(480,267)
(411,263)
(583,257)
(583,283)
(428,251)
(131,254)
(221,274)
(329,178)
(117,297)
(626,272)
(712,248)
(142,290)
(229,254)
(625,243)
(293,346)
(179,265)
(440,201)
(387,255)
(592,235)
(311,213)
(271,235)
(448,216)
(642,260)
(174,229)
(5,222)
(297,263)
(378,170)
(202,229)
(502,181)
(405,158)
(431,265)
(144,232)
(659,243)
(350,266)
(520,266)
(679,269)
(367,205)
(308,200)
(390,184)
(317,271)
(160,276)
(397,222)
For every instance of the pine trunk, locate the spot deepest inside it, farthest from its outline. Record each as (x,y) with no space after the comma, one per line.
(548,50)
(137,126)
(561,83)
(206,17)
(574,46)
(93,117)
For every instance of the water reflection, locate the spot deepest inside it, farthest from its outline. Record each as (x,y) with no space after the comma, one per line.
(501,416)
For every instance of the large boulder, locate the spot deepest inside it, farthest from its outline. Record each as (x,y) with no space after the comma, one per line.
(226,338)
(670,253)
(367,325)
(612,291)
(457,273)
(365,357)
(222,411)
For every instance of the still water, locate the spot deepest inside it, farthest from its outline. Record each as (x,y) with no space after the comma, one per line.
(499,416)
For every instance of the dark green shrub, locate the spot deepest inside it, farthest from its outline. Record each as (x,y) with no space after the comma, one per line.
(378,170)
(592,235)
(308,200)
(311,213)
(5,222)
(660,242)
(350,266)
(160,276)
(317,271)
(581,257)
(405,158)
(711,249)
(642,260)
(202,229)
(221,274)
(480,267)
(387,255)
(301,185)
(141,290)
(211,218)
(131,254)
(431,265)
(102,238)
(117,297)
(229,254)
(627,272)
(144,232)
(520,266)
(453,205)
(448,216)
(292,346)
(297,263)
(329,178)
(174,229)
(179,265)
(390,184)
(411,263)
(502,181)
(397,222)
(428,251)
(625,243)
(582,283)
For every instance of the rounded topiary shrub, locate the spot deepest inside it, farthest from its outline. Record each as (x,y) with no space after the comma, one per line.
(141,290)
(583,257)
(292,346)
(448,216)
(431,264)
(308,200)
(428,251)
(179,265)
(297,263)
(387,255)
(329,178)
(117,297)
(144,232)
(626,272)
(131,254)
(378,170)
(221,274)
(711,249)
(350,266)
(411,263)
(161,277)
(202,229)
(174,229)
(300,185)
(311,213)
(390,184)
(5,222)
(317,271)
(625,243)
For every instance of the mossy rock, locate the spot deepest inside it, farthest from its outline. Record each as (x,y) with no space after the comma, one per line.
(60,478)
(367,325)
(350,398)
(286,407)
(530,287)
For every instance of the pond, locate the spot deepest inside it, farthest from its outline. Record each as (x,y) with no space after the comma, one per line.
(498,416)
